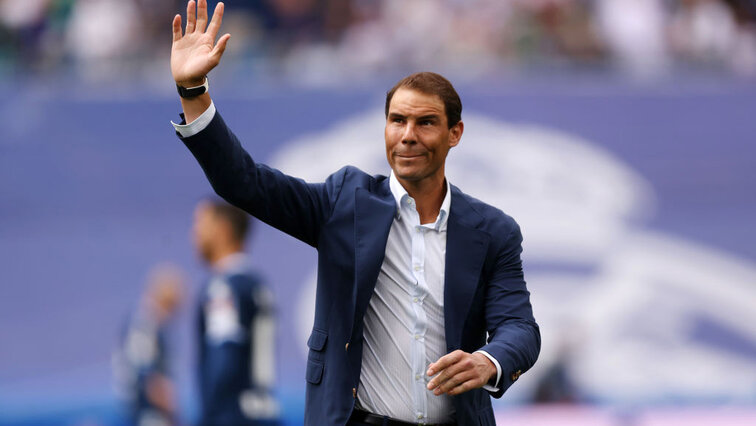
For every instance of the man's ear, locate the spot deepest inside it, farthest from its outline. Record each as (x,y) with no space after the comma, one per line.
(224,230)
(455,133)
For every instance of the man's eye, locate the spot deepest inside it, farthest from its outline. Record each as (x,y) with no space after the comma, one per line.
(398,120)
(426,122)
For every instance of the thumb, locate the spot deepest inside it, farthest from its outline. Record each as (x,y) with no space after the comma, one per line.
(220,47)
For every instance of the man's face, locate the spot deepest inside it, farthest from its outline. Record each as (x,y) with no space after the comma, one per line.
(204,230)
(418,137)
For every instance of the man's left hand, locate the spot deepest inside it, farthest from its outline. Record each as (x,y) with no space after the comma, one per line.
(459,372)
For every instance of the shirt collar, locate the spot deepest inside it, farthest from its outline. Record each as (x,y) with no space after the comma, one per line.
(400,194)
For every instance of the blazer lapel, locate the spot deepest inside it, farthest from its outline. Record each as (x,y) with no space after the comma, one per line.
(466,248)
(373,214)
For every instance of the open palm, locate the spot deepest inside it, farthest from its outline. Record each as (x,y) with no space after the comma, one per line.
(195,53)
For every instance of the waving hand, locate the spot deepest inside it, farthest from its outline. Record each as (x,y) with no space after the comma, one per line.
(195,53)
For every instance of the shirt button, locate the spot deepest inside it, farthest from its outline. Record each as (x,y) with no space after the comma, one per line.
(417,377)
(417,267)
(416,300)
(417,337)
(419,416)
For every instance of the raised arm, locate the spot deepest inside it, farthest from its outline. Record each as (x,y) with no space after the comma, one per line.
(195,52)
(282,201)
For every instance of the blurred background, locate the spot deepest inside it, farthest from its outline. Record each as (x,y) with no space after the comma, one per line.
(619,133)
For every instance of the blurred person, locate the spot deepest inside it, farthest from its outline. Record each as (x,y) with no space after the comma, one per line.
(142,361)
(400,35)
(703,31)
(715,33)
(422,312)
(743,58)
(556,384)
(296,20)
(22,26)
(152,14)
(634,34)
(372,38)
(309,21)
(565,29)
(236,325)
(103,36)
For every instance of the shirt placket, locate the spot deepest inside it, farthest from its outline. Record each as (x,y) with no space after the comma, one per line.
(417,293)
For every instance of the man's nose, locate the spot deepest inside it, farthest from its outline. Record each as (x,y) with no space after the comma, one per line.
(409,136)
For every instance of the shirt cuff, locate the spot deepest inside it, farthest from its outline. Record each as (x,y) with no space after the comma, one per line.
(498,372)
(198,125)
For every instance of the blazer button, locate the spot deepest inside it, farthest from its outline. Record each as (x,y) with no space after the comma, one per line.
(516,375)
(346,348)
(354,392)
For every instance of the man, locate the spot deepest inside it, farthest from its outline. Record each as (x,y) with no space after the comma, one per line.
(142,363)
(412,273)
(235,327)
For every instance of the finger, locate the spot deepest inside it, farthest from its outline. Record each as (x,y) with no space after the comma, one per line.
(177,28)
(447,375)
(457,380)
(444,362)
(215,23)
(191,17)
(220,47)
(463,387)
(201,15)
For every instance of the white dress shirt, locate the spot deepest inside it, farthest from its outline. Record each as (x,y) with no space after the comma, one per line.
(404,323)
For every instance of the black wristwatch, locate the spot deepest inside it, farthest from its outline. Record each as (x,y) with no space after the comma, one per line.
(193,92)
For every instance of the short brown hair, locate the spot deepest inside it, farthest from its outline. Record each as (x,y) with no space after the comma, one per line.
(431,83)
(237,219)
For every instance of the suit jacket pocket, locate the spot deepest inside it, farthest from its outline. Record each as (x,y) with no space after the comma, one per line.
(317,340)
(314,371)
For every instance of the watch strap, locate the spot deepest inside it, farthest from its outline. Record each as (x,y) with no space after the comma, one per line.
(193,92)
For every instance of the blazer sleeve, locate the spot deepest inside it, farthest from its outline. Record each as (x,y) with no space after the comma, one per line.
(284,202)
(514,338)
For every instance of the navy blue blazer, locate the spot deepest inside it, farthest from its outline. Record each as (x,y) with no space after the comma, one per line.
(347,219)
